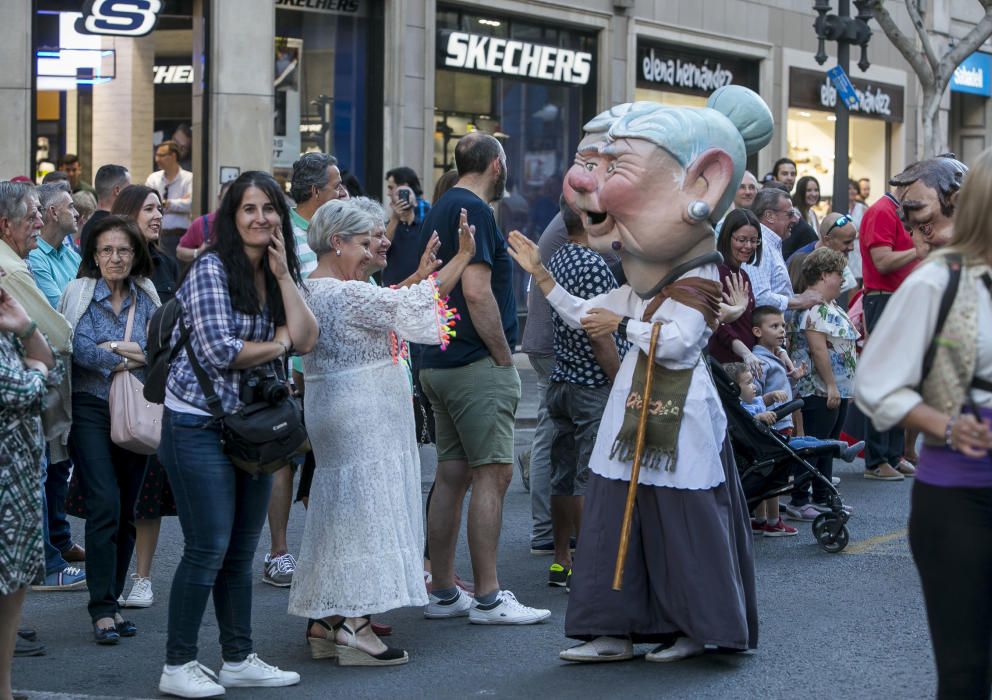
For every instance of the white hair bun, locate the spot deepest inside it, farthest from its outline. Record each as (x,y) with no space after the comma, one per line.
(748,112)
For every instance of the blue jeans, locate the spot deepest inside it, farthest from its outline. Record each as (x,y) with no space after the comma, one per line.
(53,556)
(221,510)
(58,535)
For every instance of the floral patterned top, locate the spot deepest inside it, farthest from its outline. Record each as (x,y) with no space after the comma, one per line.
(842,337)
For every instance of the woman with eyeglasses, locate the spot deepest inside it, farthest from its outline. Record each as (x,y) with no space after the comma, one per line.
(113,283)
(739,243)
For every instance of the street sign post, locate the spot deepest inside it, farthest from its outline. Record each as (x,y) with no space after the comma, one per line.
(845,89)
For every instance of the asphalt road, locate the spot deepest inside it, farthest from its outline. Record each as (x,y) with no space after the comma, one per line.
(847,625)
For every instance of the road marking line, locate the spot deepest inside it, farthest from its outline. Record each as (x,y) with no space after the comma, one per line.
(873,542)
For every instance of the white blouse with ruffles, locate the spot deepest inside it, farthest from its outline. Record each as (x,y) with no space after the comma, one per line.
(684,335)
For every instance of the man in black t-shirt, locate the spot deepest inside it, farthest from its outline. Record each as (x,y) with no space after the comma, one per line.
(474,389)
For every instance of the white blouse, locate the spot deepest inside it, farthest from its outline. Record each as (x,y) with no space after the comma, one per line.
(885,386)
(684,335)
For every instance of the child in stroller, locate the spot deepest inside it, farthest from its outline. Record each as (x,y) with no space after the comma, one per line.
(765,455)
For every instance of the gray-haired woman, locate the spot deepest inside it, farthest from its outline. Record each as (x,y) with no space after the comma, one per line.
(363,538)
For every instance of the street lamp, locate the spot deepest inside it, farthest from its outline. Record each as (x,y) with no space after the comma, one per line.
(845,30)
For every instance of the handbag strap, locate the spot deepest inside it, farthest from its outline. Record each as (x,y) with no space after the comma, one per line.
(214,404)
(130,319)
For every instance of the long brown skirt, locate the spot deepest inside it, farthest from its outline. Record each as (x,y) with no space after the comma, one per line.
(689,569)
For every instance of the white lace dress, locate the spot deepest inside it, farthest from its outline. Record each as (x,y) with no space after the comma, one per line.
(363,541)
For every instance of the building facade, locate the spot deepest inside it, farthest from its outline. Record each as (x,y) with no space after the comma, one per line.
(250,84)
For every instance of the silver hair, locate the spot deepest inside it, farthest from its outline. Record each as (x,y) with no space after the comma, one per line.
(372,208)
(735,120)
(14,199)
(49,192)
(602,122)
(339,217)
(747,173)
(768,199)
(310,171)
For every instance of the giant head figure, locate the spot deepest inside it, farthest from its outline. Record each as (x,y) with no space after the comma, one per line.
(650,179)
(928,191)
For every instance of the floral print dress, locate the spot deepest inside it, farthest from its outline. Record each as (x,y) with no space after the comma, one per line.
(22,391)
(842,337)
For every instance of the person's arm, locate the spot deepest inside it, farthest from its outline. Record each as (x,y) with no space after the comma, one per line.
(604,349)
(14,319)
(90,353)
(887,260)
(191,243)
(806,300)
(966,433)
(186,255)
(300,322)
(818,350)
(484,311)
(182,204)
(747,357)
(22,287)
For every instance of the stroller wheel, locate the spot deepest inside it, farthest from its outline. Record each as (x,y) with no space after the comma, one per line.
(830,532)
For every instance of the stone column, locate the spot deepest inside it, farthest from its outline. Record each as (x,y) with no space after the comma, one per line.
(16,149)
(241,101)
(124,109)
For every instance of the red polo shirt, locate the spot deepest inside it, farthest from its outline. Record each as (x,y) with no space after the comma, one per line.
(881,226)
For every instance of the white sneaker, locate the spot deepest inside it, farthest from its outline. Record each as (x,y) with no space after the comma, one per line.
(278,571)
(192,680)
(141,595)
(507,611)
(255,673)
(458,606)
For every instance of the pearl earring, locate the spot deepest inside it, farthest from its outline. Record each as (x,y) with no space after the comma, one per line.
(698,210)
(337,252)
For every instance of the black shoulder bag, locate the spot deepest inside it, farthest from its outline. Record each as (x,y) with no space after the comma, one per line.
(267,431)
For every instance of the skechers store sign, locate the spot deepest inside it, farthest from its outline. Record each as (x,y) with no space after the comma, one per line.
(673,69)
(511,57)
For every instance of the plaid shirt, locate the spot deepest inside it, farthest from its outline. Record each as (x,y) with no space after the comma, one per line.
(770,282)
(219,333)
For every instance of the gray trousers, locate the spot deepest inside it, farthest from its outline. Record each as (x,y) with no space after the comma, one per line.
(540,455)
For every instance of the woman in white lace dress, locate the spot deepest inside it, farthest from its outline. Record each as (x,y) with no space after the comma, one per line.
(363,538)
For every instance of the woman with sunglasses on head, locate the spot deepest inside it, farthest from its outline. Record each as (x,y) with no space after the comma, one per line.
(112,291)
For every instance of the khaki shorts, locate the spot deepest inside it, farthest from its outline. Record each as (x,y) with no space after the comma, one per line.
(474,410)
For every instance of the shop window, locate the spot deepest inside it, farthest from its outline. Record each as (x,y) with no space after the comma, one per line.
(321,90)
(811,144)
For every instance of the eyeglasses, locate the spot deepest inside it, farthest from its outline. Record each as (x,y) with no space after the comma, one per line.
(108,252)
(840,223)
(746,241)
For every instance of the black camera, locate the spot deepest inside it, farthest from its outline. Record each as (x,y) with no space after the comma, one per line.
(263,385)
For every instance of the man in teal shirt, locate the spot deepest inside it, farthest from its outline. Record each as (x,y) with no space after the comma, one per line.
(53,263)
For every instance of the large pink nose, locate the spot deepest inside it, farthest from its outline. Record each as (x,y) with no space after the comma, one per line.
(581,180)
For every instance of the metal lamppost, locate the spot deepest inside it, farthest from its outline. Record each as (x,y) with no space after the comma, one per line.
(845,30)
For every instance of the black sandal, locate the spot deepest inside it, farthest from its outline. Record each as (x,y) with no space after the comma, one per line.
(350,655)
(106,635)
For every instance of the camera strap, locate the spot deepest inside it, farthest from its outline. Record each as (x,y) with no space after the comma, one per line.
(214,404)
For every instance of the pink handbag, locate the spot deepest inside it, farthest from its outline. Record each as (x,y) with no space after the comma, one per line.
(135,423)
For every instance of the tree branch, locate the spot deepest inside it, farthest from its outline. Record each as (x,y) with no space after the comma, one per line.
(921,31)
(903,43)
(967,45)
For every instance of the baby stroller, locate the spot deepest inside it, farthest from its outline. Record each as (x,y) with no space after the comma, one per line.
(764,461)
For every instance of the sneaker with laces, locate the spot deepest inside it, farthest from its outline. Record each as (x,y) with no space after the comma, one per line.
(278,571)
(255,673)
(558,575)
(437,609)
(71,578)
(141,595)
(757,526)
(507,610)
(191,680)
(779,529)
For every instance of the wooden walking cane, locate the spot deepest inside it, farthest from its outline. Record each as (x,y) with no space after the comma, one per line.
(635,468)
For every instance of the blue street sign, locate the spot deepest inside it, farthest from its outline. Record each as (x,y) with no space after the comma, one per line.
(974,75)
(845,90)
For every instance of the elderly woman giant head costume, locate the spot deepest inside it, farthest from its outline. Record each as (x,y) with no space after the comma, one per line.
(649,179)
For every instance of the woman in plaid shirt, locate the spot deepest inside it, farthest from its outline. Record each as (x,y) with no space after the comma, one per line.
(242,300)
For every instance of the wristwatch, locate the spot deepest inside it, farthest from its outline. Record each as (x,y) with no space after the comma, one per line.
(622,327)
(113,347)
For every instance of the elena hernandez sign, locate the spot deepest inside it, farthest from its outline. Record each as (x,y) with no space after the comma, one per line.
(681,70)
(523,59)
(810,89)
